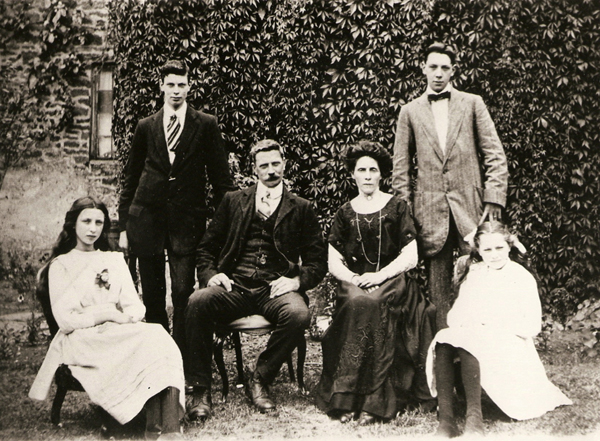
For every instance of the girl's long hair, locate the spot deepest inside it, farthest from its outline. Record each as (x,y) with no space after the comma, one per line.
(67,240)
(517,251)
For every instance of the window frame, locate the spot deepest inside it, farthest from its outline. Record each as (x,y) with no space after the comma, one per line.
(96,74)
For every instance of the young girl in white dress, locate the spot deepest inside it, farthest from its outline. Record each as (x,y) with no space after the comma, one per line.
(122,363)
(491,328)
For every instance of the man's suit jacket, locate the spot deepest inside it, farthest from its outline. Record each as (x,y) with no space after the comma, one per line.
(160,200)
(297,236)
(472,171)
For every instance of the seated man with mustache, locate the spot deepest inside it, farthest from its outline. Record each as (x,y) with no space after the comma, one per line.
(263,250)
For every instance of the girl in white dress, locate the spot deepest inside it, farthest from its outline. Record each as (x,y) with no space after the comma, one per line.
(122,363)
(491,328)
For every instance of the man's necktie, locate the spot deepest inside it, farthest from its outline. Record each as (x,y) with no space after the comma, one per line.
(173,130)
(439,96)
(265,205)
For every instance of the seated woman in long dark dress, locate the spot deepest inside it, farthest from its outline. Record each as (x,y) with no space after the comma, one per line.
(381,325)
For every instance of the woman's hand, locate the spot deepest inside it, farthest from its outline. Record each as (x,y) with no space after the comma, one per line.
(122,318)
(112,315)
(369,280)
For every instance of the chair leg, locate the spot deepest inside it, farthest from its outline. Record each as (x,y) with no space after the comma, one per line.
(301,359)
(61,392)
(218,355)
(239,361)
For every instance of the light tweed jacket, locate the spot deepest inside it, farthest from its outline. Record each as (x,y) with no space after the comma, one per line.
(473,171)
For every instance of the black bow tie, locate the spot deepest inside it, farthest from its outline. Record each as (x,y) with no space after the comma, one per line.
(439,96)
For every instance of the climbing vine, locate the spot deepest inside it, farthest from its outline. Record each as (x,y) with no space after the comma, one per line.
(320,74)
(35,99)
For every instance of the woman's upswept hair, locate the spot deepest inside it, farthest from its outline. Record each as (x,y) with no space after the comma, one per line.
(67,240)
(371,149)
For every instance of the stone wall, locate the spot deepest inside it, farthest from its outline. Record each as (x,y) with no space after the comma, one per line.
(73,142)
(37,191)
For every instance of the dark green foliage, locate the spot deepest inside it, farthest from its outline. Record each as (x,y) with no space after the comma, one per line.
(320,74)
(19,267)
(35,98)
(586,323)
(18,116)
(57,66)
(536,65)
(15,24)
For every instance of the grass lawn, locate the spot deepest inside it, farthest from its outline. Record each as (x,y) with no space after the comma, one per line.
(296,417)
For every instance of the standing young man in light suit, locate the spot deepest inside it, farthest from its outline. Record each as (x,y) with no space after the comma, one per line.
(462,175)
(163,197)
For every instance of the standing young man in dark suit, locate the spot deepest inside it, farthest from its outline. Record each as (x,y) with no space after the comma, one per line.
(163,199)
(462,176)
(262,251)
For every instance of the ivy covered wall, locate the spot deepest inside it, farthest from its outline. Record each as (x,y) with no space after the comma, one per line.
(320,74)
(47,51)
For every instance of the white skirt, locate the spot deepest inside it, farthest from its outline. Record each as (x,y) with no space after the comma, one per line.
(120,366)
(512,373)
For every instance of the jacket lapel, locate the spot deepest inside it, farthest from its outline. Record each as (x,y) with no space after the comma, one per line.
(189,130)
(160,143)
(287,204)
(456,115)
(245,206)
(428,122)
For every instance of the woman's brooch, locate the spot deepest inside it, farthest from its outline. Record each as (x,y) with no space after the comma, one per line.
(102,279)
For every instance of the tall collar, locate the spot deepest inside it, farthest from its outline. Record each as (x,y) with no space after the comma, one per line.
(276,191)
(430,91)
(179,112)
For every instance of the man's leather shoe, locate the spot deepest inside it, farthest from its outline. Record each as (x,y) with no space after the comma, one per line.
(260,396)
(201,404)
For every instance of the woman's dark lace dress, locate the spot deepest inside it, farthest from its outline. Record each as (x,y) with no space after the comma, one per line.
(374,351)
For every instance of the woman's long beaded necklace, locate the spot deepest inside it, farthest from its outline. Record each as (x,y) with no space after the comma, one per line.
(360,239)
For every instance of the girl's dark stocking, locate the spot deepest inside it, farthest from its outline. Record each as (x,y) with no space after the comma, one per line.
(472,384)
(153,417)
(170,410)
(444,377)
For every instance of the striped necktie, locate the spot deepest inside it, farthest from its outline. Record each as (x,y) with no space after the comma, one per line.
(173,130)
(265,205)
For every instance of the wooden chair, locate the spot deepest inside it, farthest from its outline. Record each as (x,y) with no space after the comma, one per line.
(255,325)
(63,378)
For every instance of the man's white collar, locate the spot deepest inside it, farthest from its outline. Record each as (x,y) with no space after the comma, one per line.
(179,112)
(275,192)
(430,91)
